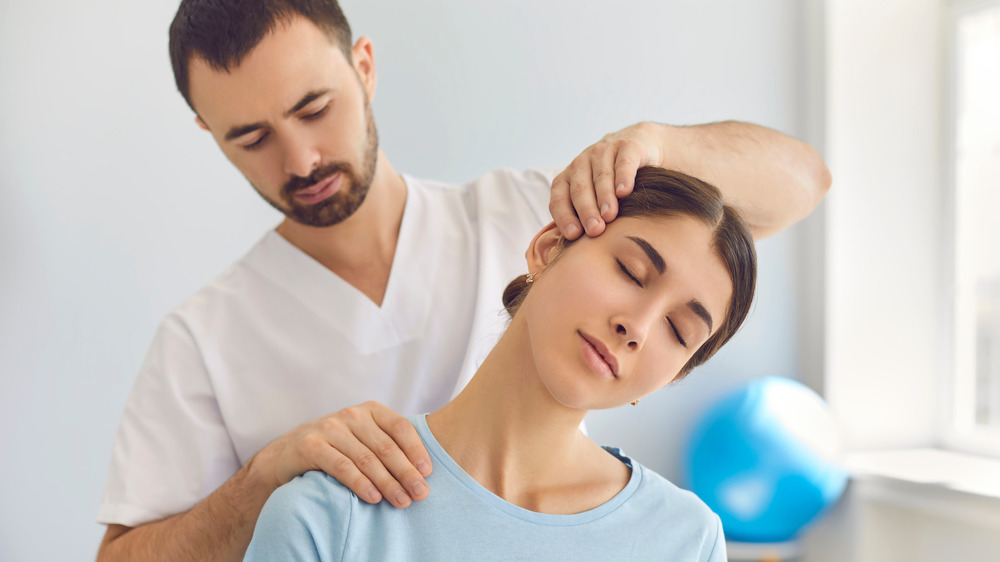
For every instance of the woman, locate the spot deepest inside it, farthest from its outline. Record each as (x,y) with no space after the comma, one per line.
(599,323)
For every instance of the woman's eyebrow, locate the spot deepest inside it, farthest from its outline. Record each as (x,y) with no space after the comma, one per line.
(661,266)
(651,253)
(702,313)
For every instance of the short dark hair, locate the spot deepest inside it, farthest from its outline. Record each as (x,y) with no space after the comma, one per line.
(668,193)
(223,32)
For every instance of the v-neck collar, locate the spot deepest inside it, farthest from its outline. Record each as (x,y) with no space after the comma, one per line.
(406,306)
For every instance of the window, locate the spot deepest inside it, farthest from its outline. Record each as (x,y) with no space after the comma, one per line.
(974,169)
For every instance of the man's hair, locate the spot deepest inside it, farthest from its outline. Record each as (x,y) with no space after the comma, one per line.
(223,32)
(668,193)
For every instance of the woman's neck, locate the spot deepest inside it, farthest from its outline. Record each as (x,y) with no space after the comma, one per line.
(508,433)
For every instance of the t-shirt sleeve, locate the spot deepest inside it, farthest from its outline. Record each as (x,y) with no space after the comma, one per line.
(172,448)
(306,520)
(718,552)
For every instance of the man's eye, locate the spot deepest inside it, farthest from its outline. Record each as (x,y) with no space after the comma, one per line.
(628,273)
(317,114)
(255,144)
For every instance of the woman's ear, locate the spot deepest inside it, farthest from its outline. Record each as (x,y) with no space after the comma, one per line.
(543,248)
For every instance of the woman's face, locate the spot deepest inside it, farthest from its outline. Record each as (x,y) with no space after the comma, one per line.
(616,317)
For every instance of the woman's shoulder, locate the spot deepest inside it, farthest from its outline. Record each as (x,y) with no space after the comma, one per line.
(656,504)
(305,519)
(658,495)
(314,492)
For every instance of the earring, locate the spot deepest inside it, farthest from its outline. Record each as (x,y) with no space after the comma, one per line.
(530,278)
(635,402)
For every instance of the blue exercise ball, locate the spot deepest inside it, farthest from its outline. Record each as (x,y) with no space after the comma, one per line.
(765,458)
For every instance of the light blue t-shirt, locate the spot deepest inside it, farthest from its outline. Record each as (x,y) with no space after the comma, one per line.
(314,517)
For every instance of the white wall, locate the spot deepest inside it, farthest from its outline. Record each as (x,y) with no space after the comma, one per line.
(887,319)
(116,207)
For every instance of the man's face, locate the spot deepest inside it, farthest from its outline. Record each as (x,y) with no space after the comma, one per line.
(294,118)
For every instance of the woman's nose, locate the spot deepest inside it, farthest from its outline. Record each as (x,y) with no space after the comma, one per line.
(631,334)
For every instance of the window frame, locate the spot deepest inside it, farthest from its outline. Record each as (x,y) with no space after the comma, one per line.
(961,433)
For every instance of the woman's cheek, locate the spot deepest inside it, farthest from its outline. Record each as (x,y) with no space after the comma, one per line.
(662,366)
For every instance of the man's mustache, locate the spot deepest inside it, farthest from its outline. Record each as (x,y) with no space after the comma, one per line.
(297,183)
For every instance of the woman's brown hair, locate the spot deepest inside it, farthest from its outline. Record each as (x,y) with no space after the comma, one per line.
(668,193)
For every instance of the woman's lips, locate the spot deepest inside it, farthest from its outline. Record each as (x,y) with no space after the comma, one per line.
(321,191)
(598,356)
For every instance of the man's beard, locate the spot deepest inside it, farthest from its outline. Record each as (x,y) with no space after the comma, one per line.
(349,196)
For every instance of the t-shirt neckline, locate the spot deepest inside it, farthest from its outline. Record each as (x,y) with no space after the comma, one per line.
(443,460)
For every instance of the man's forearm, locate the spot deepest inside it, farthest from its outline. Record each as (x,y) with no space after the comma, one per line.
(773,179)
(217,528)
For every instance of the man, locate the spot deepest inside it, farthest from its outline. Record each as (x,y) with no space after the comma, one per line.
(376,286)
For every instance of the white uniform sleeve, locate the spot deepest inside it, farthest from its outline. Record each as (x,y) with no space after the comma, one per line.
(172,448)
(537,189)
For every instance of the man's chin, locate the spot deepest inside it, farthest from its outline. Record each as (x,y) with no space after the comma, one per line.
(324,214)
(315,222)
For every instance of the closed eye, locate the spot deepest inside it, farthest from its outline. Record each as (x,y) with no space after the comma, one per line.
(676,333)
(316,115)
(628,273)
(255,144)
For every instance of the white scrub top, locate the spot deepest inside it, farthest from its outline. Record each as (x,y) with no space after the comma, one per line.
(278,340)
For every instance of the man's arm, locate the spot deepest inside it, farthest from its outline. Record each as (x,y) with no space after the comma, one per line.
(773,179)
(368,448)
(217,528)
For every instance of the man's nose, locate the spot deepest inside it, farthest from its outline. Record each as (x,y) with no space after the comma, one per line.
(301,157)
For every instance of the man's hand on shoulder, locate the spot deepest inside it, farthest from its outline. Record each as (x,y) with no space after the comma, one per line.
(585,195)
(368,448)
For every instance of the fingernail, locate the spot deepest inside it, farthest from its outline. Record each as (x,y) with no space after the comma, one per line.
(402,499)
(374,496)
(423,467)
(572,230)
(592,224)
(604,209)
(418,489)
(620,190)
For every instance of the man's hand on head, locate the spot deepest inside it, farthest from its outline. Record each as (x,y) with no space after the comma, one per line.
(368,448)
(585,195)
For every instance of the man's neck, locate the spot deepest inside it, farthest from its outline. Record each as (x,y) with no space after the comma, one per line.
(360,250)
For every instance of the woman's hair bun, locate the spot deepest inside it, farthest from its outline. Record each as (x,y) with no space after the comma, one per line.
(515,293)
